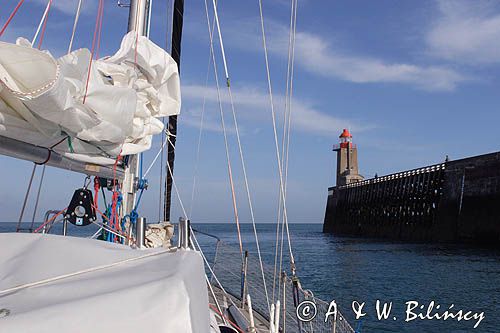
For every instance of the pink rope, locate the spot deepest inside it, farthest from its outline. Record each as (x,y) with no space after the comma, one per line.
(11,17)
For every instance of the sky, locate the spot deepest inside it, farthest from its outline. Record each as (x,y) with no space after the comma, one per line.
(414,81)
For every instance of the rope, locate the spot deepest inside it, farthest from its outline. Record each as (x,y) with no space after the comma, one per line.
(242,159)
(216,17)
(14,12)
(42,22)
(99,32)
(81,272)
(44,25)
(37,197)
(75,24)
(92,52)
(49,220)
(227,320)
(230,173)
(273,114)
(218,309)
(26,198)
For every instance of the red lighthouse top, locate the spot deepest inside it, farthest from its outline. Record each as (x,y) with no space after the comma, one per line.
(345,134)
(345,139)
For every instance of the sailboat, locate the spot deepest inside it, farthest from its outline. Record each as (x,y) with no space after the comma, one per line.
(96,117)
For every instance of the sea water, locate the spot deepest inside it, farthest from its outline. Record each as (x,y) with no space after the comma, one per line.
(362,276)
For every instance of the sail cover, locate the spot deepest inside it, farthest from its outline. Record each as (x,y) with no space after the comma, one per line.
(118,289)
(88,115)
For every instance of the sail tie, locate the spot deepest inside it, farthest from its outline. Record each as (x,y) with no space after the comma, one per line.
(81,272)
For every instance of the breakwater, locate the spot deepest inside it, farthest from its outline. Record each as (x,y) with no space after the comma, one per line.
(455,201)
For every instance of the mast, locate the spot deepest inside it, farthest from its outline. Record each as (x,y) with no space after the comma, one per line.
(138,22)
(178,19)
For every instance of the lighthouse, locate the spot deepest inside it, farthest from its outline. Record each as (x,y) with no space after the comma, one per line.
(347,160)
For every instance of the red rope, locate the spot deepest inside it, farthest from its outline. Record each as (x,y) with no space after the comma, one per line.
(114,214)
(50,220)
(11,17)
(44,26)
(100,31)
(92,52)
(96,191)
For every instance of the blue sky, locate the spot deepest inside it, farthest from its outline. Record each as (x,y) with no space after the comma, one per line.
(413,80)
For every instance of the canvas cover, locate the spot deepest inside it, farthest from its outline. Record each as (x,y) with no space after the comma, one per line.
(42,98)
(161,292)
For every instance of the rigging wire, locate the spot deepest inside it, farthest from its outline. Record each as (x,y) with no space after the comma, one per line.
(175,184)
(201,122)
(279,246)
(75,24)
(242,159)
(195,243)
(197,161)
(273,115)
(169,20)
(162,152)
(49,5)
(230,173)
(150,8)
(42,22)
(290,100)
(193,236)
(28,190)
(37,197)
(157,155)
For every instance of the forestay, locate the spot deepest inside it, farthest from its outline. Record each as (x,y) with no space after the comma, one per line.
(67,284)
(46,101)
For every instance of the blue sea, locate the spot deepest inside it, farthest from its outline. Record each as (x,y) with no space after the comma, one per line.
(364,270)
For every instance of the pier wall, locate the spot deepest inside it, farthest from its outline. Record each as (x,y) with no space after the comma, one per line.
(456,201)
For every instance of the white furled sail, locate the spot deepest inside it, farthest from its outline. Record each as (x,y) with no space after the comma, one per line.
(51,284)
(48,102)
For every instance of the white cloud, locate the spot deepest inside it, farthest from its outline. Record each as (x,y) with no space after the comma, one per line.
(318,55)
(69,6)
(253,106)
(466,32)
